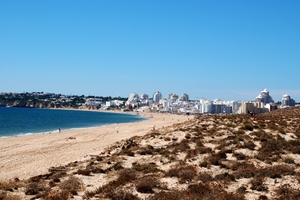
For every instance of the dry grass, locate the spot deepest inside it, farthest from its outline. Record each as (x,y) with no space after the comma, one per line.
(204,158)
(184,173)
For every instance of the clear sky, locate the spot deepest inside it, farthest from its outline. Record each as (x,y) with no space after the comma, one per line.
(226,49)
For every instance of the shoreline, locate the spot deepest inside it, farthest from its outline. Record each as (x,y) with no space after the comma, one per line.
(55,131)
(32,155)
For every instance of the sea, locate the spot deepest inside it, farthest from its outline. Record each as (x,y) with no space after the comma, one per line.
(28,121)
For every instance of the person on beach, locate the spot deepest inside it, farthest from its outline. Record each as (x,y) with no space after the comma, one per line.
(59,130)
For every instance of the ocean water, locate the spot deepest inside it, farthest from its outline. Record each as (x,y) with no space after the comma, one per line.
(27,121)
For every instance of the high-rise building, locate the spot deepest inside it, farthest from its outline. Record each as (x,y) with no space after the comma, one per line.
(287,101)
(206,106)
(184,97)
(264,97)
(246,107)
(144,96)
(133,99)
(157,96)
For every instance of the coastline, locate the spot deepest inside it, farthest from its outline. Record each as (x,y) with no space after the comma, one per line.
(32,155)
(52,129)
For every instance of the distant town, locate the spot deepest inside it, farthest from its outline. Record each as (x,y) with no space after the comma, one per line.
(172,103)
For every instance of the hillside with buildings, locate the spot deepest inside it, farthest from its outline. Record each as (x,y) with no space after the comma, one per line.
(172,103)
(175,104)
(52,100)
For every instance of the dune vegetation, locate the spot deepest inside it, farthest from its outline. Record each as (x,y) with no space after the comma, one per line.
(207,157)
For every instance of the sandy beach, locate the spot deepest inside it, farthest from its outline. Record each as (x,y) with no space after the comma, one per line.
(26,156)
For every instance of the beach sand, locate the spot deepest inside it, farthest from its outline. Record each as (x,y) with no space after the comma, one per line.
(26,156)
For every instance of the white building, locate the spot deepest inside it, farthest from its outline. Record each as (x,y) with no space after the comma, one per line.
(246,107)
(93,102)
(109,103)
(184,97)
(157,96)
(133,99)
(144,99)
(264,97)
(287,101)
(172,98)
(206,106)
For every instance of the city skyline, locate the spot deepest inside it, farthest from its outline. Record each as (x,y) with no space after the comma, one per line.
(169,95)
(207,49)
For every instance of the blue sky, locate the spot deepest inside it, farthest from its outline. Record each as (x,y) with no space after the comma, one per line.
(229,50)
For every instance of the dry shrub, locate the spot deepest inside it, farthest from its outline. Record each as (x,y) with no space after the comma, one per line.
(273,126)
(282,131)
(239,156)
(154,134)
(11,185)
(84,172)
(241,190)
(191,153)
(248,127)
(288,160)
(170,195)
(126,175)
(239,132)
(261,136)
(216,158)
(206,191)
(199,143)
(5,196)
(212,131)
(294,146)
(58,175)
(97,170)
(248,145)
(184,173)
(127,152)
(182,146)
(244,170)
(205,177)
(122,195)
(286,192)
(146,184)
(225,177)
(146,168)
(257,183)
(36,178)
(149,150)
(164,152)
(271,147)
(187,136)
(52,184)
(33,188)
(116,166)
(262,197)
(276,171)
(109,190)
(200,189)
(205,164)
(72,185)
(204,150)
(57,195)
